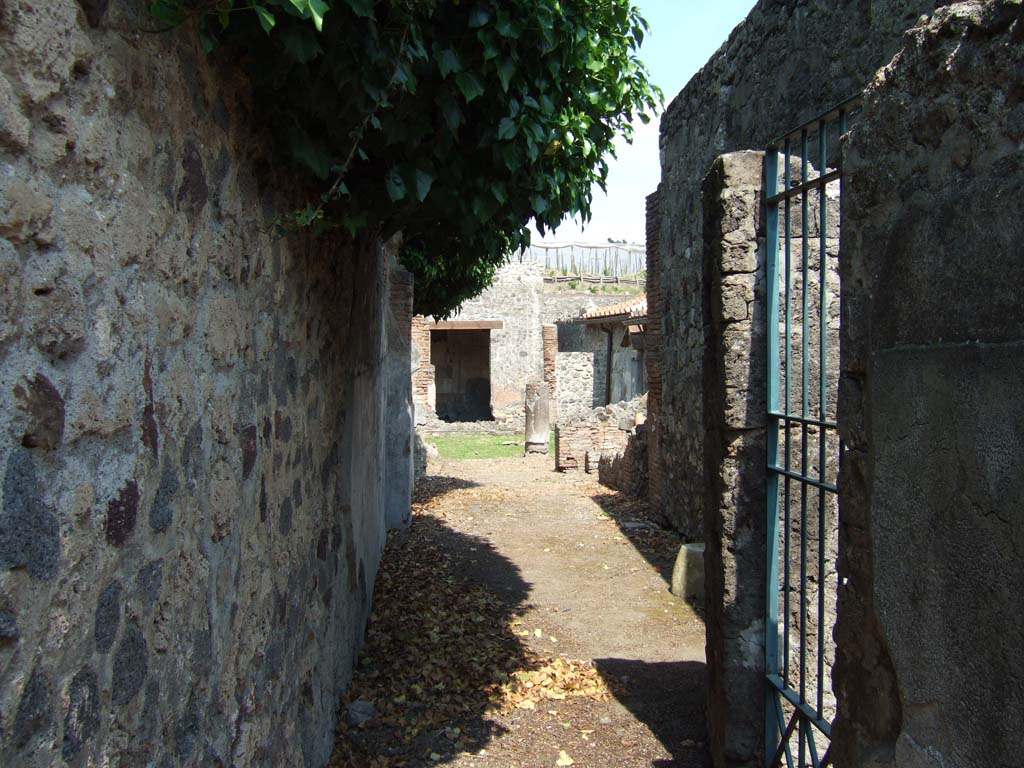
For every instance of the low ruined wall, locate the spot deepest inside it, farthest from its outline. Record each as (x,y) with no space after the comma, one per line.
(603,431)
(191,414)
(785,64)
(627,471)
(930,629)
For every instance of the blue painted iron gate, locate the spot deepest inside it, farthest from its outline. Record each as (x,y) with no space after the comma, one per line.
(801,217)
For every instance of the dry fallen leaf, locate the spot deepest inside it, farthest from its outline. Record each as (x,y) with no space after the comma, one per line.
(564,759)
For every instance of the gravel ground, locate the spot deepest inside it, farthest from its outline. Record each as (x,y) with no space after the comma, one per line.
(513,572)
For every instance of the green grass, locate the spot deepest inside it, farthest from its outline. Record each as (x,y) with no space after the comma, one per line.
(480,446)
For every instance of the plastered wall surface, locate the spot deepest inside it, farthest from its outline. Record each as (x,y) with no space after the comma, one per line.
(931,403)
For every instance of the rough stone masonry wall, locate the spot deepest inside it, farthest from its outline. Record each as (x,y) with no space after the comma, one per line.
(581,368)
(734,521)
(930,669)
(520,300)
(190,414)
(785,64)
(735,395)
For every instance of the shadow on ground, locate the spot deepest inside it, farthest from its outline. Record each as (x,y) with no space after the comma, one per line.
(437,648)
(669,698)
(633,516)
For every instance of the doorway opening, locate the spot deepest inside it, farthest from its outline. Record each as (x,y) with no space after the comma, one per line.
(462,374)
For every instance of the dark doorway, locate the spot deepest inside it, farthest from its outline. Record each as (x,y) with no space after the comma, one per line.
(462,374)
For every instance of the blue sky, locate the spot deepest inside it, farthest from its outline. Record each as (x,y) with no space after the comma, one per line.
(684,34)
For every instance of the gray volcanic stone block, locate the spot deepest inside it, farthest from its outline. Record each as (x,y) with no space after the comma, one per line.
(108,616)
(82,717)
(29,533)
(130,663)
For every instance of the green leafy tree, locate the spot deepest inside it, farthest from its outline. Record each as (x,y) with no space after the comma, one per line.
(455,122)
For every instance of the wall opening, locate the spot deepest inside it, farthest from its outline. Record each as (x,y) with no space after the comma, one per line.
(462,374)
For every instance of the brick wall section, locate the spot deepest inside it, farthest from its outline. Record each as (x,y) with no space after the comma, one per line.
(654,341)
(627,471)
(549,335)
(422,370)
(401,297)
(575,442)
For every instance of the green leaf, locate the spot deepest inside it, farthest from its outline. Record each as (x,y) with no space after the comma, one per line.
(470,85)
(207,41)
(479,17)
(448,62)
(506,68)
(267,20)
(317,9)
(450,111)
(539,204)
(362,8)
(300,42)
(506,128)
(424,181)
(395,185)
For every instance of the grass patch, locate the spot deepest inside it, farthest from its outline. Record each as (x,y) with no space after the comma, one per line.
(481,446)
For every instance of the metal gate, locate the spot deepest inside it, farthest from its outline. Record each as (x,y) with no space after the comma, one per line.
(802,442)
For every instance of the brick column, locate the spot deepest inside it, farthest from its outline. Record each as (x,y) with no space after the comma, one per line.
(652,356)
(550,340)
(422,370)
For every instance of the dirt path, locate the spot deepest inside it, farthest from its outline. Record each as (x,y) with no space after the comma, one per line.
(515,573)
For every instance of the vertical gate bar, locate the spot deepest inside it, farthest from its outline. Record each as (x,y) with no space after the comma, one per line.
(822,407)
(771,624)
(804,412)
(786,175)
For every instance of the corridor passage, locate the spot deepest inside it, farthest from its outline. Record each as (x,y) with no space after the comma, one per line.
(525,620)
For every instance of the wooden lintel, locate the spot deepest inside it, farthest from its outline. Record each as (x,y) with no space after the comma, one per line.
(467,325)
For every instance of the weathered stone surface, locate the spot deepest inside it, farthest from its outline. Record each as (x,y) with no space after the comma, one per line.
(932,404)
(160,513)
(137,277)
(517,297)
(34,716)
(41,400)
(538,417)
(82,716)
(29,533)
(122,511)
(129,666)
(747,94)
(108,616)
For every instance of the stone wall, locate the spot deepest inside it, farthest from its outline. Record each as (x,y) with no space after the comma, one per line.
(191,413)
(930,629)
(786,63)
(734,504)
(549,334)
(581,369)
(519,299)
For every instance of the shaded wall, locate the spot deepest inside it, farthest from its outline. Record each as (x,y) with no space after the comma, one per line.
(930,627)
(785,64)
(191,413)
